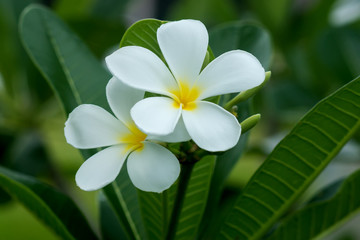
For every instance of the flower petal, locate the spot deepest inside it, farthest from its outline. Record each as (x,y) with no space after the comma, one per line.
(153,168)
(156,115)
(102,168)
(231,72)
(180,134)
(184,44)
(90,126)
(122,98)
(140,68)
(211,127)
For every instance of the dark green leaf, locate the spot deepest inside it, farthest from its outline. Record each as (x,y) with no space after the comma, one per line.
(69,67)
(226,37)
(11,60)
(142,33)
(208,11)
(110,9)
(110,225)
(122,195)
(223,166)
(154,210)
(294,164)
(245,36)
(310,222)
(98,34)
(77,78)
(327,192)
(27,154)
(273,14)
(52,207)
(342,62)
(156,207)
(195,199)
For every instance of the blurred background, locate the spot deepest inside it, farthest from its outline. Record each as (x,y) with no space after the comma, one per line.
(315,47)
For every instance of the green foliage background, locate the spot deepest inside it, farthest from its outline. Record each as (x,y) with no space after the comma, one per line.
(310,54)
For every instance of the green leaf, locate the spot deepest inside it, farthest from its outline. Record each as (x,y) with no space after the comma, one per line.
(110,225)
(129,200)
(12,63)
(47,204)
(295,162)
(227,37)
(77,78)
(319,217)
(154,209)
(327,192)
(123,199)
(241,35)
(70,68)
(112,9)
(274,14)
(157,208)
(143,34)
(223,166)
(208,11)
(341,62)
(195,199)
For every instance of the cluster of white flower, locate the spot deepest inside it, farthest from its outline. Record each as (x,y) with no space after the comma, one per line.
(178,115)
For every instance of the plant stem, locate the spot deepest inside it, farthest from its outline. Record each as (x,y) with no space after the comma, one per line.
(184,178)
(242,96)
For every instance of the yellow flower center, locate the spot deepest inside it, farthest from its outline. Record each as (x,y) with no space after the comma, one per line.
(134,139)
(185,96)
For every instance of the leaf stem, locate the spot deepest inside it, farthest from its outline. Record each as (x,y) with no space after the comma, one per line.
(242,96)
(185,174)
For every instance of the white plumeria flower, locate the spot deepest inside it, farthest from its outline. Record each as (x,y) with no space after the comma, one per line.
(151,167)
(184,44)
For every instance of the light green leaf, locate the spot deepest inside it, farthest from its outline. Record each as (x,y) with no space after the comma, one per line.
(249,37)
(295,162)
(195,199)
(77,78)
(47,204)
(143,34)
(310,222)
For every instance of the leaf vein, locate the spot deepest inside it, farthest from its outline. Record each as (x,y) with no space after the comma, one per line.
(322,131)
(316,145)
(280,180)
(301,158)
